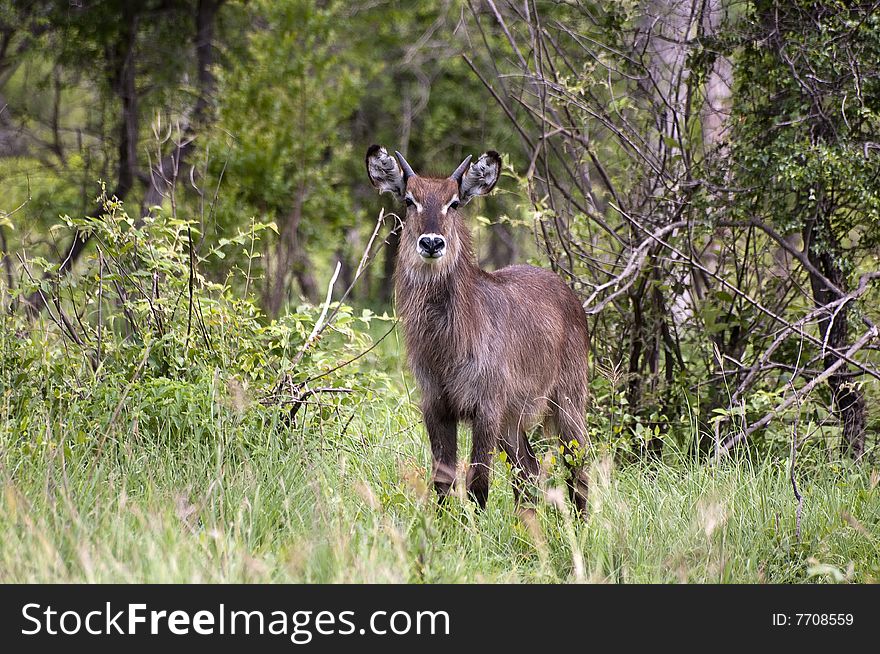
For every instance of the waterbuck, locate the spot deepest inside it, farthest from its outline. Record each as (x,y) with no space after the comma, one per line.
(504,350)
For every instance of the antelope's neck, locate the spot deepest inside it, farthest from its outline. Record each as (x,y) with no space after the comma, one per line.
(439,306)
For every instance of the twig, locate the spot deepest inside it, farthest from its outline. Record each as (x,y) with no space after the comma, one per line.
(354,358)
(866,338)
(637,260)
(797,327)
(319,324)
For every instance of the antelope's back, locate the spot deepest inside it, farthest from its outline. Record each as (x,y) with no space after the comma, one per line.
(536,308)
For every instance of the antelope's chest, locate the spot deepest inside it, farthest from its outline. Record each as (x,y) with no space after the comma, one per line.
(460,367)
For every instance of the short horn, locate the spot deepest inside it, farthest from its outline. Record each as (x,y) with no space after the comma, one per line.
(407,169)
(460,170)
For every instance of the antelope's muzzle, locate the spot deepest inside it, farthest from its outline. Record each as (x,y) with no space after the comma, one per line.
(431,246)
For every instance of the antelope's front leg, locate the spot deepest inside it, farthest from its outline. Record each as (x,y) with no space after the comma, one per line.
(486,432)
(443,433)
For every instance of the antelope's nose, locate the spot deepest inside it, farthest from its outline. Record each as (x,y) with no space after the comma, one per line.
(431,245)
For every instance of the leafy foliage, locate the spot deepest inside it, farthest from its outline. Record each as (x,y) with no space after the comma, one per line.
(142,336)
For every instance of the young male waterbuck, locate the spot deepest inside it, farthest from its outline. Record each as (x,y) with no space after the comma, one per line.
(503,351)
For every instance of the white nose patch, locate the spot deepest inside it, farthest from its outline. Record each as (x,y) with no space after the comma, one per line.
(430,235)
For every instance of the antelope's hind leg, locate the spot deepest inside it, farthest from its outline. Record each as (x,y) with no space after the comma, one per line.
(572,431)
(485,438)
(525,464)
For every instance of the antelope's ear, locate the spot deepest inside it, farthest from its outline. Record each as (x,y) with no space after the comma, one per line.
(384,172)
(480,177)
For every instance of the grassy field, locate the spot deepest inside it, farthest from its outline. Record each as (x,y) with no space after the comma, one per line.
(245,499)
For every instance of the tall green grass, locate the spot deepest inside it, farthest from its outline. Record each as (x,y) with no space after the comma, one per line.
(248,499)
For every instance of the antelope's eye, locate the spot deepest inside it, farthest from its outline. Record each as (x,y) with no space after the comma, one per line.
(409,202)
(454,204)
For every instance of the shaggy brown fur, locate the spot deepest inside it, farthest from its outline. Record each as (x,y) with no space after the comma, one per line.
(503,351)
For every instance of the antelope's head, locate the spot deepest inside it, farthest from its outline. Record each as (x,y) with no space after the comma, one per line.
(434,233)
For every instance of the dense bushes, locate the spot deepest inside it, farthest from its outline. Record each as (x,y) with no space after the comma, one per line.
(139,338)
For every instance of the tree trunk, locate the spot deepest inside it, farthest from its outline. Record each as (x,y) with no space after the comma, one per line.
(289,259)
(302,272)
(648,336)
(164,173)
(716,96)
(122,73)
(663,37)
(848,401)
